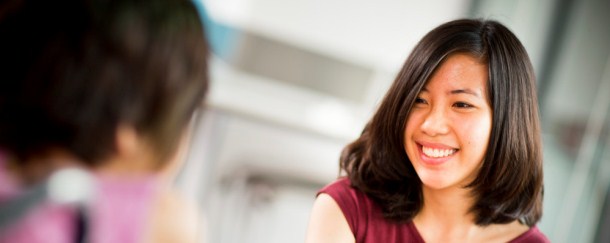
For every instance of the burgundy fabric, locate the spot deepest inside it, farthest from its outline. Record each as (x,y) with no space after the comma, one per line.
(368,225)
(365,217)
(531,236)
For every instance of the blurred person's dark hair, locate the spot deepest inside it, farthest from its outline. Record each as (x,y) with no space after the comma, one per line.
(108,85)
(73,71)
(508,186)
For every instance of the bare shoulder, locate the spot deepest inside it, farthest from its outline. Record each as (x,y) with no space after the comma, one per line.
(516,229)
(174,219)
(327,222)
(525,234)
(505,232)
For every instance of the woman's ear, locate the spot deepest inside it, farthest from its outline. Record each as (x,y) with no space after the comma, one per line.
(132,155)
(126,140)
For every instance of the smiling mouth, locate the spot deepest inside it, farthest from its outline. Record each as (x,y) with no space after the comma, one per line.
(437,153)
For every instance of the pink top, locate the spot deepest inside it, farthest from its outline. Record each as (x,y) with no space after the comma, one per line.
(118,213)
(368,225)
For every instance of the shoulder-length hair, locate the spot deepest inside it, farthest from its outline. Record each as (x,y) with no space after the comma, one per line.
(509,184)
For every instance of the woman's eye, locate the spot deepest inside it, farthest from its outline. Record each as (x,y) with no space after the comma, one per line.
(462,105)
(420,101)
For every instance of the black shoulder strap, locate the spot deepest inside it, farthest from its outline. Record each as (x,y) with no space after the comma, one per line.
(81,226)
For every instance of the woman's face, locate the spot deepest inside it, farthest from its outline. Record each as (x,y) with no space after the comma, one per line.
(449,125)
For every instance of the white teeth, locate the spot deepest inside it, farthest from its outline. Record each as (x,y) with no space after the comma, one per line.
(437,153)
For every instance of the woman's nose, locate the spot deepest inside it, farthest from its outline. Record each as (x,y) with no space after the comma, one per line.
(435,123)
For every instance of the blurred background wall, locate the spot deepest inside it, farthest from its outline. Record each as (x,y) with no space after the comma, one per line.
(295,81)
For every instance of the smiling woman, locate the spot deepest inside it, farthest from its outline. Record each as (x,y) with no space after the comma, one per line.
(453,152)
(448,128)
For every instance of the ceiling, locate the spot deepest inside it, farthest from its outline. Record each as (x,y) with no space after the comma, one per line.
(377,34)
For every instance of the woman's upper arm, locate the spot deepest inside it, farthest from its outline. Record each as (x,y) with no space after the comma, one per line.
(327,222)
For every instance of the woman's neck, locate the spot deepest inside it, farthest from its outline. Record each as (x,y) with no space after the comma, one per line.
(446,214)
(446,217)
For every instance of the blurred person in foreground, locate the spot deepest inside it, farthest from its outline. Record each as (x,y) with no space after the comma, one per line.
(453,153)
(103,93)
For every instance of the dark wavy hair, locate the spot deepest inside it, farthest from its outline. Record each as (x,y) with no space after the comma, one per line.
(509,184)
(73,71)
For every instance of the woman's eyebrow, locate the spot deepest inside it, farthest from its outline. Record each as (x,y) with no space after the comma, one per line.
(465,91)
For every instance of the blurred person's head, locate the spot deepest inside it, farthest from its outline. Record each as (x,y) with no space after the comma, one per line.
(92,79)
(507,180)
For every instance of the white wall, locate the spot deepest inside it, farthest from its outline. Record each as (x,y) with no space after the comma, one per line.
(373,33)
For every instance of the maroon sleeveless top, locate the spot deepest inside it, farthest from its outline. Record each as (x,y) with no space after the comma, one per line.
(366,221)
